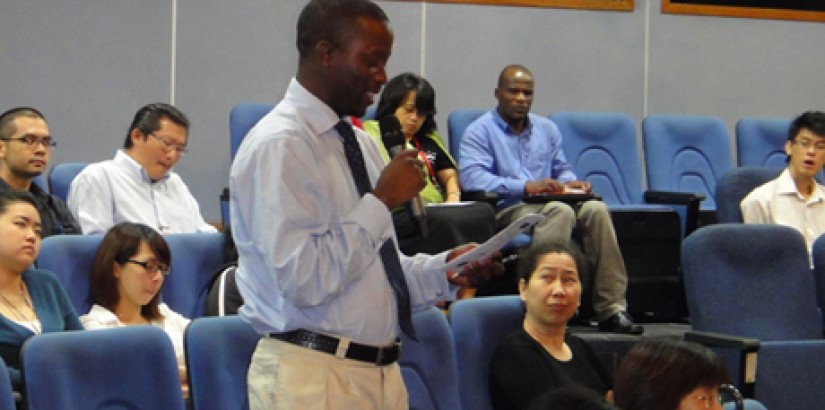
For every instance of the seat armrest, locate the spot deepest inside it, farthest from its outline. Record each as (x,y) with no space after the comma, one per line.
(673,197)
(748,348)
(690,200)
(489,197)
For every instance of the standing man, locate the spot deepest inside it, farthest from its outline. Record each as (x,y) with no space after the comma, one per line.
(138,185)
(24,154)
(319,269)
(795,198)
(515,153)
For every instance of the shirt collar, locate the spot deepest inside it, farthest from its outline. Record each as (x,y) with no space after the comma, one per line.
(317,115)
(786,185)
(134,168)
(505,127)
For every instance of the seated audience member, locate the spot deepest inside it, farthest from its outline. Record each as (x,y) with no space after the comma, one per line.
(795,198)
(138,185)
(515,153)
(571,397)
(411,99)
(127,274)
(24,155)
(667,374)
(31,300)
(542,356)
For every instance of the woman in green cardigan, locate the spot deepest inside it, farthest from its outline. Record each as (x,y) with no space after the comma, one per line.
(411,99)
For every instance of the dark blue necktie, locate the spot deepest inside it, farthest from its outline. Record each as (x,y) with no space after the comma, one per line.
(389,255)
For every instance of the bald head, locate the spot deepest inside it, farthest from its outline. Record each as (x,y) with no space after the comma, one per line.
(511,72)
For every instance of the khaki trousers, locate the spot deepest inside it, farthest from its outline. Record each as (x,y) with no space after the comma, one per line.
(283,376)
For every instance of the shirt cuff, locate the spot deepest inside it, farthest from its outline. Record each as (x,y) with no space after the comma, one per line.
(374,217)
(516,188)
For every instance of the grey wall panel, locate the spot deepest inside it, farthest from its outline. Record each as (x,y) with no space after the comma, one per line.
(734,67)
(581,60)
(89,65)
(227,52)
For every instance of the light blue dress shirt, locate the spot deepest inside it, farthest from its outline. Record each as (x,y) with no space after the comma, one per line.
(494,158)
(307,243)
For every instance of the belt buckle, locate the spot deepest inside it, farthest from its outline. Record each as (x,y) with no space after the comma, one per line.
(379,356)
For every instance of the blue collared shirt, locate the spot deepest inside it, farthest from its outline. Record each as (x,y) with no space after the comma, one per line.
(307,243)
(494,158)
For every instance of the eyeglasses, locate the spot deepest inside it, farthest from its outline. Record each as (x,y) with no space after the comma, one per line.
(31,141)
(169,146)
(807,144)
(151,266)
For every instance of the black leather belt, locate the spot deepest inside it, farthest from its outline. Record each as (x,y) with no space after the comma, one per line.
(380,356)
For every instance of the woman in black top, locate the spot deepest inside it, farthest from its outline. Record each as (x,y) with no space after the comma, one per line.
(542,356)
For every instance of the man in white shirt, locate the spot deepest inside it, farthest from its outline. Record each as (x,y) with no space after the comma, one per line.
(795,198)
(138,185)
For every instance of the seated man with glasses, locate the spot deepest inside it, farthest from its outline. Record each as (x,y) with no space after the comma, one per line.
(795,198)
(25,149)
(138,185)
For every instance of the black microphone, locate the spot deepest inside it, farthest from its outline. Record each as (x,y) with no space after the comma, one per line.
(393,139)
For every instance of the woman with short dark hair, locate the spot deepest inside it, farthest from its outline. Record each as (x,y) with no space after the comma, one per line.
(668,374)
(542,356)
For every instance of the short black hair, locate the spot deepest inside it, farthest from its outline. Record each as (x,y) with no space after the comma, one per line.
(396,90)
(570,397)
(148,117)
(7,127)
(502,76)
(529,257)
(657,374)
(811,120)
(12,196)
(332,20)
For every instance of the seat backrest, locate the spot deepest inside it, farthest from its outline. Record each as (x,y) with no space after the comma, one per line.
(61,177)
(132,367)
(818,256)
(218,353)
(479,325)
(195,259)
(70,258)
(242,118)
(457,122)
(6,393)
(760,142)
(750,280)
(428,365)
(602,148)
(735,185)
(686,153)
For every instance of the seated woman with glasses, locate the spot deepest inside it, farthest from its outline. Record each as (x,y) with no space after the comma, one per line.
(542,356)
(128,271)
(670,374)
(31,300)
(411,99)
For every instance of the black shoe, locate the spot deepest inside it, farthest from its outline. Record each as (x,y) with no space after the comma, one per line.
(620,323)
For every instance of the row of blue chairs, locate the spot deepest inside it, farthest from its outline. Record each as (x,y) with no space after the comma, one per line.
(134,367)
(457,353)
